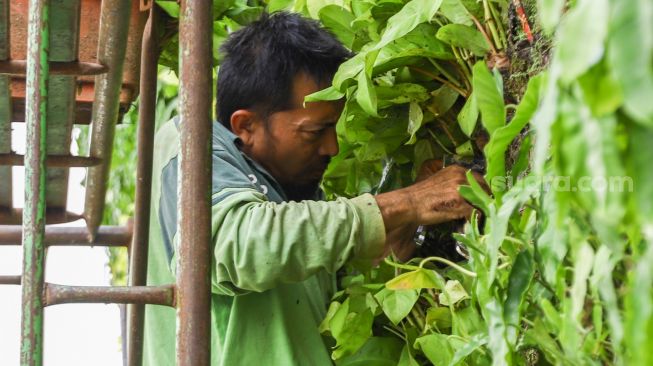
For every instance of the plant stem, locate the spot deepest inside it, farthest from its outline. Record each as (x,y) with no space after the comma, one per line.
(449,263)
(485,35)
(447,132)
(489,20)
(395,332)
(498,21)
(399,265)
(463,93)
(435,137)
(444,72)
(463,64)
(418,319)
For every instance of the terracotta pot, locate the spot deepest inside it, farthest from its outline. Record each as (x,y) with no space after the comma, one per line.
(88,39)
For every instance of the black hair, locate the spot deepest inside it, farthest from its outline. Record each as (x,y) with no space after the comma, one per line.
(261,60)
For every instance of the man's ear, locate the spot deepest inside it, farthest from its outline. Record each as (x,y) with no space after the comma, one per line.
(243,124)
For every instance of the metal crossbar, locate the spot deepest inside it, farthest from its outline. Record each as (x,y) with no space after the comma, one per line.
(56,81)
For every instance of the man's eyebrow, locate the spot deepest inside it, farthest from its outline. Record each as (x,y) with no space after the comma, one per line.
(320,124)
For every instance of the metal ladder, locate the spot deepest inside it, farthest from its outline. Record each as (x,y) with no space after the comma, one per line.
(56,82)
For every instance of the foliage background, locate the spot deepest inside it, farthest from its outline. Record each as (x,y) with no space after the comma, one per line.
(553,275)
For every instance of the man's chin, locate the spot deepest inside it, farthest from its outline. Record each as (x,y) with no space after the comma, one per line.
(302,191)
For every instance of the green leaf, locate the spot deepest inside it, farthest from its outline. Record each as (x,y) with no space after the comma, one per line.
(539,337)
(406,359)
(519,280)
(377,351)
(455,11)
(582,35)
(442,101)
(408,18)
(171,7)
(351,326)
(244,14)
(601,91)
(366,93)
(402,93)
(396,304)
(471,345)
(277,5)
(468,115)
(642,155)
(436,348)
(338,20)
(415,119)
(465,149)
(463,36)
(329,93)
(502,137)
(630,54)
(639,310)
(418,279)
(549,13)
(488,98)
(438,318)
(348,70)
(475,194)
(325,326)
(453,293)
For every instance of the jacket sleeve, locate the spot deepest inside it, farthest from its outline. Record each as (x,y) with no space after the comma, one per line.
(259,244)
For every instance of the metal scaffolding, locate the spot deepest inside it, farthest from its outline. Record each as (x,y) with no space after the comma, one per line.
(52,84)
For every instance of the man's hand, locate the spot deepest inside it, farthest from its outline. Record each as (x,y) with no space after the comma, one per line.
(434,199)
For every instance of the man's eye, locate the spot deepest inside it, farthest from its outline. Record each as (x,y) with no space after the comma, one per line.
(315,132)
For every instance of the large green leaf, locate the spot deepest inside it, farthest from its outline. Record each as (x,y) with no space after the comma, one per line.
(521,276)
(502,137)
(582,36)
(463,36)
(436,348)
(418,279)
(443,99)
(329,93)
(351,326)
(488,98)
(455,11)
(408,18)
(549,13)
(630,47)
(468,115)
(338,20)
(366,93)
(396,304)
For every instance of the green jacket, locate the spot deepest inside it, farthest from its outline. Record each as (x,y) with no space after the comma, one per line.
(273,261)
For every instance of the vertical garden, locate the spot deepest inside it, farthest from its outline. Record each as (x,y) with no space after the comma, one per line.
(553,101)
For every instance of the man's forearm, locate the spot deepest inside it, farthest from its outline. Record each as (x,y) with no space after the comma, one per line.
(396,208)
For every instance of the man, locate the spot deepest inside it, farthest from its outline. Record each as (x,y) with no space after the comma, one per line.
(276,246)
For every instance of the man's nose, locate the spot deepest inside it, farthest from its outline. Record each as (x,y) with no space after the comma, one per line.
(329,146)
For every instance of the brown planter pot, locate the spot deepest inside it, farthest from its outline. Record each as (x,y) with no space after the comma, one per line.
(89,27)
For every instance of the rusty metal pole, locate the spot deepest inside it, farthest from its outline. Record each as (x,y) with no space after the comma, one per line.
(62,294)
(112,47)
(193,285)
(140,242)
(31,349)
(107,236)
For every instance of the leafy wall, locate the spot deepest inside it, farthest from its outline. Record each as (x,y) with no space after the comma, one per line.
(557,271)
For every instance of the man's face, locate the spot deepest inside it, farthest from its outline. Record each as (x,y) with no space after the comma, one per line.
(295,145)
